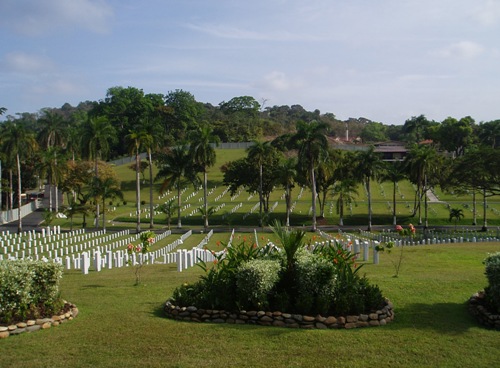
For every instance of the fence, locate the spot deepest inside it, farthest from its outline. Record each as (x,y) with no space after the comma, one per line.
(13,215)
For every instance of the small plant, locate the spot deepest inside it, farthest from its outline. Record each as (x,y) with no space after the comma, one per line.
(147,239)
(410,231)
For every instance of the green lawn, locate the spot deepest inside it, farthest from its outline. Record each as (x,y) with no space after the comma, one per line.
(122,325)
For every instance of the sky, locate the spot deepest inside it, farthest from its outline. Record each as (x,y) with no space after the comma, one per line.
(384,60)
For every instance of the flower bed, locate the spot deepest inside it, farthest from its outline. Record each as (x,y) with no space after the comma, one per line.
(278,319)
(69,312)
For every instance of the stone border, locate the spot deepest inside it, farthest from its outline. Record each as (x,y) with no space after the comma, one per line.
(477,307)
(40,323)
(379,318)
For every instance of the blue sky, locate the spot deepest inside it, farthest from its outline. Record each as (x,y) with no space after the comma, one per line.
(385,60)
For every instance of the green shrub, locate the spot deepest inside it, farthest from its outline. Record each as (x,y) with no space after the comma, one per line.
(492,271)
(315,283)
(293,280)
(29,289)
(254,281)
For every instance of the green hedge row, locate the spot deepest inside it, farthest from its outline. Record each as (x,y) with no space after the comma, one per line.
(29,289)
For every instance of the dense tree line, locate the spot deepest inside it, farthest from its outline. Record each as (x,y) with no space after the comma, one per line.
(292,147)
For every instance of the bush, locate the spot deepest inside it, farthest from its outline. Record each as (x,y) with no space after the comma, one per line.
(29,289)
(254,281)
(315,282)
(292,280)
(492,272)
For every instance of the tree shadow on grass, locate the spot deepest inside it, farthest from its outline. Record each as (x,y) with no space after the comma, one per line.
(445,318)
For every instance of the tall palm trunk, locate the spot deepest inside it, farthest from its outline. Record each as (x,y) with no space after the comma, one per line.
(313,187)
(485,223)
(138,191)
(20,219)
(474,212)
(394,219)
(369,204)
(95,199)
(205,199)
(260,195)
(288,200)
(151,207)
(179,224)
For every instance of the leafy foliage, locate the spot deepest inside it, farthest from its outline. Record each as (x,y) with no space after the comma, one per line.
(292,279)
(492,263)
(29,289)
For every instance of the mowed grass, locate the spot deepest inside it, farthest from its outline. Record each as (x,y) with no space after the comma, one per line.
(122,325)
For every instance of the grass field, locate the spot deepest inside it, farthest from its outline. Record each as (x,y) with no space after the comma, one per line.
(122,325)
(242,209)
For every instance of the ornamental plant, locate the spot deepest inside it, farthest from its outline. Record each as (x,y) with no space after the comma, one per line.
(492,272)
(290,277)
(147,238)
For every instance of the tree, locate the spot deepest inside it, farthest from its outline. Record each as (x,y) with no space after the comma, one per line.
(489,133)
(312,144)
(346,191)
(175,167)
(203,155)
(168,208)
(369,167)
(97,135)
(394,172)
(415,129)
(103,189)
(286,174)
(53,136)
(478,170)
(456,135)
(258,153)
(374,132)
(183,112)
(136,140)
(422,163)
(457,214)
(17,139)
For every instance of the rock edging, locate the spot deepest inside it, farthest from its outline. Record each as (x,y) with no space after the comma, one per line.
(278,319)
(477,307)
(40,323)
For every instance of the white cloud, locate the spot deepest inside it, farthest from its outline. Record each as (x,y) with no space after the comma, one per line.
(21,62)
(35,17)
(462,50)
(278,81)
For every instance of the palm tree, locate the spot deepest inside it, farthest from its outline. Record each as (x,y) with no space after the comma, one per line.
(152,140)
(105,188)
(53,134)
(257,153)
(168,208)
(97,135)
(286,173)
(49,167)
(136,139)
(457,214)
(203,155)
(21,143)
(174,166)
(394,172)
(422,162)
(369,166)
(346,191)
(312,144)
